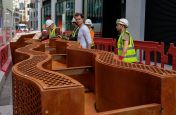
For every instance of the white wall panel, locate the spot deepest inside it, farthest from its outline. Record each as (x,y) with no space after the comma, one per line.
(135,13)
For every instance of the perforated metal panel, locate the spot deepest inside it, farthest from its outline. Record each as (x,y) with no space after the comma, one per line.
(26,98)
(29,69)
(30,80)
(34,86)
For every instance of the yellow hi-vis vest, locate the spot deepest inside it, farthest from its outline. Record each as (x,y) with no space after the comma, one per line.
(130,55)
(52,33)
(75,32)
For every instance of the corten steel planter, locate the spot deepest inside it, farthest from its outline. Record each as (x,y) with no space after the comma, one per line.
(119,88)
(37,90)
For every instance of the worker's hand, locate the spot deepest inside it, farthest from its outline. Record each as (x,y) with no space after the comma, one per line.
(120,58)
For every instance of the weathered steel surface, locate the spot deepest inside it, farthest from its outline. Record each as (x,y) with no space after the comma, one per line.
(119,88)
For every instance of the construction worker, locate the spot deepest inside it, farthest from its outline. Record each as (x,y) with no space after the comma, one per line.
(53,31)
(74,33)
(125,45)
(88,22)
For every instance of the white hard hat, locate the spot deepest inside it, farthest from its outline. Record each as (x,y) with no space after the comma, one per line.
(122,21)
(49,22)
(88,21)
(73,20)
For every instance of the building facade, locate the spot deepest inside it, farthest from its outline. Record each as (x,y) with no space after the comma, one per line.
(64,14)
(93,9)
(7,20)
(143,16)
(22,11)
(102,13)
(62,11)
(33,21)
(16,13)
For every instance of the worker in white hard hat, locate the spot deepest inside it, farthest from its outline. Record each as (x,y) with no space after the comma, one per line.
(74,33)
(53,31)
(88,22)
(125,45)
(73,20)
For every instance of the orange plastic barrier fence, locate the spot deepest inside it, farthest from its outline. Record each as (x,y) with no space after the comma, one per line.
(5,59)
(106,44)
(148,47)
(3,55)
(172,51)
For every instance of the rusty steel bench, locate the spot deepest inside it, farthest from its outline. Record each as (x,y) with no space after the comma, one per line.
(37,90)
(119,88)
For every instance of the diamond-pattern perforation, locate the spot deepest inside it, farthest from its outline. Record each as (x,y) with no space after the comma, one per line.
(26,98)
(28,68)
(108,58)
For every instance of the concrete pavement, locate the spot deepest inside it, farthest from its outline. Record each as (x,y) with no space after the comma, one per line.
(6,96)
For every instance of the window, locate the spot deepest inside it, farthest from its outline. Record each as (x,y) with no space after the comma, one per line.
(94,10)
(66,7)
(47,10)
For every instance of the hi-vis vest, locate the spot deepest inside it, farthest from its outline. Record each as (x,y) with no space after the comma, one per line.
(130,55)
(52,33)
(75,32)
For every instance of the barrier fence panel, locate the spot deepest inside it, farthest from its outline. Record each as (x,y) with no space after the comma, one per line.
(3,55)
(106,44)
(172,51)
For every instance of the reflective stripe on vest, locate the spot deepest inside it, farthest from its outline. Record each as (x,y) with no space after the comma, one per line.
(130,55)
(75,31)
